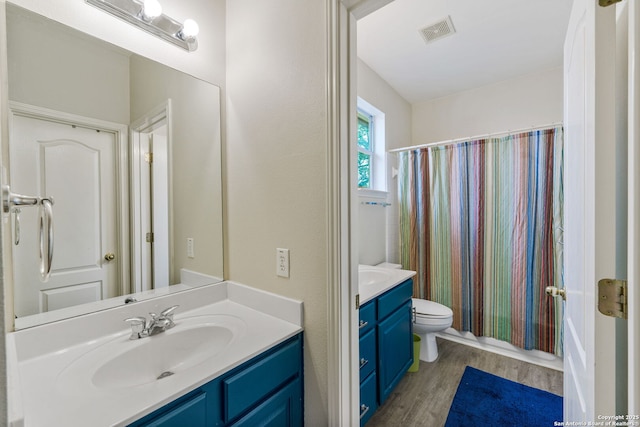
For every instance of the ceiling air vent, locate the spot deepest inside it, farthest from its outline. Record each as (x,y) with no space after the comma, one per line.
(438,30)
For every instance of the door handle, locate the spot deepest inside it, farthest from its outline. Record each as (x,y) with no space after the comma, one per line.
(110,256)
(45,204)
(363,410)
(16,226)
(46,238)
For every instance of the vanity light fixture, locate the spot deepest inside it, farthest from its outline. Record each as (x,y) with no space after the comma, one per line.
(147,15)
(151,9)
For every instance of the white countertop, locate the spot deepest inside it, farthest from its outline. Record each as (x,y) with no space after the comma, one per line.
(39,395)
(388,279)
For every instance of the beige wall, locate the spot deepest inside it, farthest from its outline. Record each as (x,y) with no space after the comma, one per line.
(65,73)
(373,89)
(277,164)
(531,100)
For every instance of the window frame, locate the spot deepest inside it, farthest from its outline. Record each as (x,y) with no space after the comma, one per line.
(370,119)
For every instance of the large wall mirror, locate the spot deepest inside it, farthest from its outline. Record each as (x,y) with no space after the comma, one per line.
(129,151)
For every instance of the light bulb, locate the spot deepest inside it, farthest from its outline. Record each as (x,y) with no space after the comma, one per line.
(151,9)
(190,29)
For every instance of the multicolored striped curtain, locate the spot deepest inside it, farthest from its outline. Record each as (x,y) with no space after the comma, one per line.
(481,223)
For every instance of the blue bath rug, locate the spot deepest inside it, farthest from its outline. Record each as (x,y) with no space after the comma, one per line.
(483,399)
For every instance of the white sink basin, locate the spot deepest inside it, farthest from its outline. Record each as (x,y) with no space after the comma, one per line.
(374,280)
(161,356)
(370,275)
(124,363)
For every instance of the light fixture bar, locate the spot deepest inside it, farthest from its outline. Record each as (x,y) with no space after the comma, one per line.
(162,26)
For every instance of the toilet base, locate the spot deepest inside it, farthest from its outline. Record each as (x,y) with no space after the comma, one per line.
(428,347)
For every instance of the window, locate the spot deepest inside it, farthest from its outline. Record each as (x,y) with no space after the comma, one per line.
(371,159)
(365,150)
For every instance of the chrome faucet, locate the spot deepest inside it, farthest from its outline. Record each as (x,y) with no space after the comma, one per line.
(158,323)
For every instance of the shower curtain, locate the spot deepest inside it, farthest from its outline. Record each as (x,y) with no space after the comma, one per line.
(481,223)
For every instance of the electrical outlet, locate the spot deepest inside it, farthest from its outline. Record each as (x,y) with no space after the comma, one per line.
(190,249)
(282,262)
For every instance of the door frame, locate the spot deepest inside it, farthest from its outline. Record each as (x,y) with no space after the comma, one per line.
(120,132)
(342,259)
(144,124)
(342,241)
(633,220)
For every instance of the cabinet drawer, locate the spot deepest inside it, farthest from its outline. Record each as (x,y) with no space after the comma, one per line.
(393,299)
(283,409)
(367,317)
(192,412)
(245,389)
(368,398)
(367,354)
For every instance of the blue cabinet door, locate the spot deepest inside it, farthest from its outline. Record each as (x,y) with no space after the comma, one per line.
(395,349)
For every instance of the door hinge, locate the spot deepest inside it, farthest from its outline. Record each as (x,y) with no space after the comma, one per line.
(149,237)
(358,302)
(605,3)
(612,297)
(148,157)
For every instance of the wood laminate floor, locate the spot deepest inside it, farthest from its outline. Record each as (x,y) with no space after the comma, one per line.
(423,398)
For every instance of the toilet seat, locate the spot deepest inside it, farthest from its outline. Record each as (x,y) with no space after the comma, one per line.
(430,309)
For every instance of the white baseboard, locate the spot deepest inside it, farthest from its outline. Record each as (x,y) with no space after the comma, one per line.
(503,348)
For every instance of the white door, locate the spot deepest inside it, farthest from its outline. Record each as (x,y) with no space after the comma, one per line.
(151,205)
(160,206)
(153,190)
(589,237)
(75,166)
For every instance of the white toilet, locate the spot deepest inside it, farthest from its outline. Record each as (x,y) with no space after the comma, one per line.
(430,317)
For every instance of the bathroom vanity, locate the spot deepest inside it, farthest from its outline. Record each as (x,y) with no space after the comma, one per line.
(386,340)
(233,356)
(268,387)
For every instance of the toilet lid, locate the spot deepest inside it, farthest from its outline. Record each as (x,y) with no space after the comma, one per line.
(430,308)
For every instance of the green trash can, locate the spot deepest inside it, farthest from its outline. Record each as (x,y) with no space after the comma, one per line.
(416,354)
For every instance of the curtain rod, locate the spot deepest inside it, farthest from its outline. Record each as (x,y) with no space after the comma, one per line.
(474,138)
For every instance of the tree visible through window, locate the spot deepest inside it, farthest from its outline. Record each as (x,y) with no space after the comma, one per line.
(365,150)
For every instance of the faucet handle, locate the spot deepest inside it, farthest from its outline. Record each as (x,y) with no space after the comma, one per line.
(168,314)
(138,326)
(169,311)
